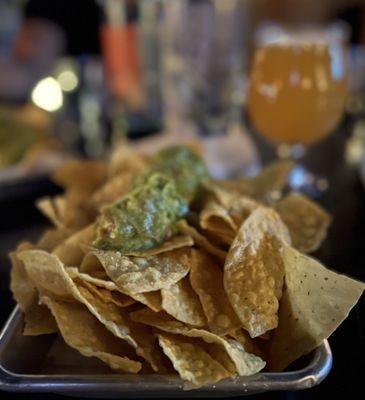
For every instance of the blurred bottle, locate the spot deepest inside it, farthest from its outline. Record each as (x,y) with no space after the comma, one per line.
(130,65)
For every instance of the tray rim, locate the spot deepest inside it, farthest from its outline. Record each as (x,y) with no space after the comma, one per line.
(311,375)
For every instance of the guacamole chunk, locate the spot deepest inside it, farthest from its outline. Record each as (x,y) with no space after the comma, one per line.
(184,166)
(143,218)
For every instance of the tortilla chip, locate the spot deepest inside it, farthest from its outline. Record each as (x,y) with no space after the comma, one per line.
(37,319)
(113,189)
(90,264)
(252,346)
(81,175)
(201,241)
(314,304)
(307,221)
(271,180)
(150,299)
(48,208)
(102,283)
(125,159)
(83,332)
(49,275)
(191,361)
(140,275)
(206,278)
(243,362)
(254,271)
(109,296)
(238,206)
(216,219)
(72,251)
(180,301)
(51,238)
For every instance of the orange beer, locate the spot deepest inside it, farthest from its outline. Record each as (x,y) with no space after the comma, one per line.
(297,90)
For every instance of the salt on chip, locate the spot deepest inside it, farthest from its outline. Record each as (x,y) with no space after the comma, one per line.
(315,302)
(206,278)
(71,251)
(243,362)
(83,332)
(254,271)
(201,241)
(140,275)
(191,361)
(180,301)
(306,220)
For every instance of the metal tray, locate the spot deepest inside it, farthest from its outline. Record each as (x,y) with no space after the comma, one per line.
(46,364)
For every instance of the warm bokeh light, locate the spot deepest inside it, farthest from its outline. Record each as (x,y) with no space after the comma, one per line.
(68,80)
(47,94)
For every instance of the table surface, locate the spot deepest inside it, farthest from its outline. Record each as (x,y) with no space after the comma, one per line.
(343,250)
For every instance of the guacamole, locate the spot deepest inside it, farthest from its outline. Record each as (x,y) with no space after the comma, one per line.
(143,218)
(184,166)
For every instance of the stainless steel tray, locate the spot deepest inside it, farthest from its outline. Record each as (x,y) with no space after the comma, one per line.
(46,364)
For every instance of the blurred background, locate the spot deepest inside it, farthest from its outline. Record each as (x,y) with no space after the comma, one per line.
(76,76)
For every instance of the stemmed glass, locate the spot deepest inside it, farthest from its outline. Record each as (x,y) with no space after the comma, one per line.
(298,88)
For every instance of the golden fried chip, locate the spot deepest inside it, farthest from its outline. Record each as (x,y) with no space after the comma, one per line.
(180,301)
(102,283)
(51,238)
(201,241)
(254,271)
(206,278)
(191,361)
(71,252)
(273,178)
(49,275)
(250,345)
(48,208)
(125,159)
(114,188)
(216,219)
(150,299)
(83,332)
(140,275)
(109,296)
(90,264)
(37,319)
(315,302)
(81,175)
(243,362)
(306,220)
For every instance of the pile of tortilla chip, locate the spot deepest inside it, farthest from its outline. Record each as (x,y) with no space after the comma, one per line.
(231,292)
